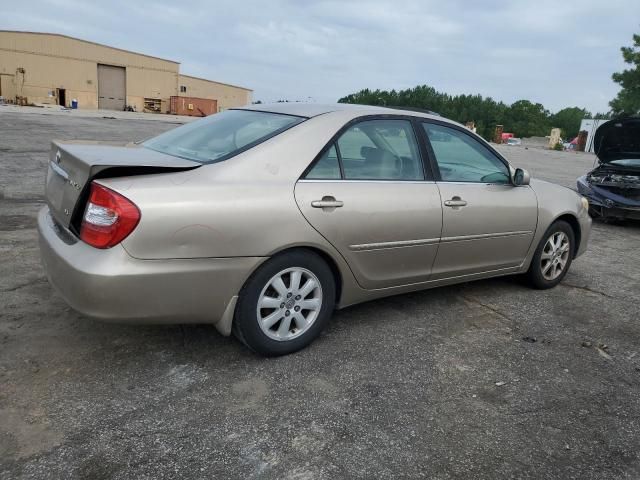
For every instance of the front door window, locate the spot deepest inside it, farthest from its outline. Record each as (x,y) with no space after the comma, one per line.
(462,158)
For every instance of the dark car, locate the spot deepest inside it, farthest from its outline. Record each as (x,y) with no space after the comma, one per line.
(613,187)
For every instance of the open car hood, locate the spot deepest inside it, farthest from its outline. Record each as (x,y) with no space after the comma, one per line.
(618,139)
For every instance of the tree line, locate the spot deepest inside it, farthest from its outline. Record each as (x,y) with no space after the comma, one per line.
(522,118)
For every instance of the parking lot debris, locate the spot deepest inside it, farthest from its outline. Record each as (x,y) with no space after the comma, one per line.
(604,354)
(601,348)
(500,384)
(602,351)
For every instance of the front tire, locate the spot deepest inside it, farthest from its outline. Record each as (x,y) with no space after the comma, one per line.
(285,304)
(552,258)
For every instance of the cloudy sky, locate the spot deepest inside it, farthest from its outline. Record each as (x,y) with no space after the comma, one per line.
(559,53)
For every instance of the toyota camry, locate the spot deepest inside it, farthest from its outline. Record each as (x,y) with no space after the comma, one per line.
(263,220)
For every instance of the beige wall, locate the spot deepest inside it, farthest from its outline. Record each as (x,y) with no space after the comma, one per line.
(54,61)
(7,84)
(228,96)
(44,74)
(143,83)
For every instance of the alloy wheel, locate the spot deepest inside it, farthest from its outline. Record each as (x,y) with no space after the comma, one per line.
(289,304)
(555,255)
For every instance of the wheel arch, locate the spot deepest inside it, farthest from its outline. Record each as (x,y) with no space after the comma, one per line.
(337,273)
(328,259)
(573,222)
(243,329)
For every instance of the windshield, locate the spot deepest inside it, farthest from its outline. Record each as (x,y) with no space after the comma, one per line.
(220,136)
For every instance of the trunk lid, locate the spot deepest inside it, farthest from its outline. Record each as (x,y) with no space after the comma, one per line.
(618,140)
(72,166)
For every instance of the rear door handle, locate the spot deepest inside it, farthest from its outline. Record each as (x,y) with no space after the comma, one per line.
(455,202)
(327,202)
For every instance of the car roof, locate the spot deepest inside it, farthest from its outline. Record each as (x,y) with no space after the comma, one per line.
(314,109)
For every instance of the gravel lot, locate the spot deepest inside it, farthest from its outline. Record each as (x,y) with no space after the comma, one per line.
(484,380)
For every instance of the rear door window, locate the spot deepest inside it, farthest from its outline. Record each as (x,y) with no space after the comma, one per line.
(380,150)
(327,167)
(373,150)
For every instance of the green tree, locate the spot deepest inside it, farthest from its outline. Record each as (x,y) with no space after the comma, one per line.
(485,112)
(526,119)
(628,100)
(569,119)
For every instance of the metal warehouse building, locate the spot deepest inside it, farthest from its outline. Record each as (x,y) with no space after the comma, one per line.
(55,69)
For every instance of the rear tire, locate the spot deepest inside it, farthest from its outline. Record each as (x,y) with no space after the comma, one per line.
(553,256)
(285,304)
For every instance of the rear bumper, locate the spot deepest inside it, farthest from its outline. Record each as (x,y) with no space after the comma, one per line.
(112,285)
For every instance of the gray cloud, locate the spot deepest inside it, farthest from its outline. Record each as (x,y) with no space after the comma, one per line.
(557,53)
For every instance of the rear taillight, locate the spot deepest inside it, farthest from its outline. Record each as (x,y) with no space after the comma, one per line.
(108,218)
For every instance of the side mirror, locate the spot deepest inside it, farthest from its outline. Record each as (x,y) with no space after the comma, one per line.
(521,177)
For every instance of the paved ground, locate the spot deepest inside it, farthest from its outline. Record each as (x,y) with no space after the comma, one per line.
(409,386)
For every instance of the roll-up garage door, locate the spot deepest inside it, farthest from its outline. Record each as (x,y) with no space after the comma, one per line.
(111,87)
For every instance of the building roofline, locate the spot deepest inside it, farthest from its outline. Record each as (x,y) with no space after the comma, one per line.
(214,81)
(89,41)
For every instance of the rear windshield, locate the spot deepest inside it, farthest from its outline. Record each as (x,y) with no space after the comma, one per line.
(222,135)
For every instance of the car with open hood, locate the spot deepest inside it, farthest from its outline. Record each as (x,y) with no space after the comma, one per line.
(613,187)
(262,220)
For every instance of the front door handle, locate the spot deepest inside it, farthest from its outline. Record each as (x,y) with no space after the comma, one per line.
(455,202)
(328,202)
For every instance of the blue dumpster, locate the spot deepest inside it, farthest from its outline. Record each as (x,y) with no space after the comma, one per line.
(74,103)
